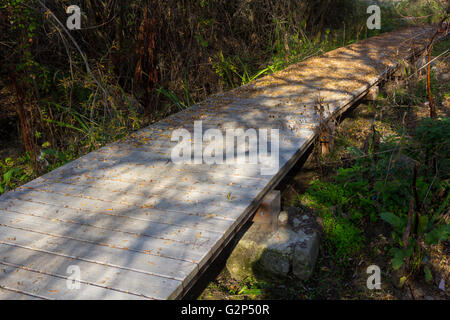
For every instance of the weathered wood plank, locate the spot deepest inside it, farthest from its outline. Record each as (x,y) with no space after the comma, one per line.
(167,220)
(146,189)
(129,196)
(101,255)
(187,235)
(218,207)
(110,238)
(103,276)
(188,175)
(13,294)
(52,288)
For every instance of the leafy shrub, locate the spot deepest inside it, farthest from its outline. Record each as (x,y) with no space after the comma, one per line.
(14,172)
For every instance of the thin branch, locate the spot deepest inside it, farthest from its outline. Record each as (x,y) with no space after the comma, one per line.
(426,65)
(88,69)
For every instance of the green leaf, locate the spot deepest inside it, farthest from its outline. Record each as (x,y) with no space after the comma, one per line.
(397,261)
(440,233)
(7,178)
(410,249)
(8,175)
(393,220)
(248,291)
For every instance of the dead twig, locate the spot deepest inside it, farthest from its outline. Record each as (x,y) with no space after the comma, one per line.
(428,63)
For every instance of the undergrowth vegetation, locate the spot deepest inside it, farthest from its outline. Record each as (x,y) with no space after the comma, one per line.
(389,177)
(382,185)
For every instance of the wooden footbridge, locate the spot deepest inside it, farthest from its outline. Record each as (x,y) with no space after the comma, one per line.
(132,224)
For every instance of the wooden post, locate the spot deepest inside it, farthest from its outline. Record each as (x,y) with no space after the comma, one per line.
(326,138)
(372,94)
(267,213)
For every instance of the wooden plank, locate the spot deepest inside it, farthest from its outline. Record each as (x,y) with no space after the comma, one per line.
(13,294)
(167,220)
(121,159)
(217,174)
(52,288)
(187,235)
(103,276)
(187,174)
(130,194)
(207,207)
(145,189)
(102,255)
(109,238)
(140,172)
(123,162)
(156,179)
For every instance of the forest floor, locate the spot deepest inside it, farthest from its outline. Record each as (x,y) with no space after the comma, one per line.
(337,279)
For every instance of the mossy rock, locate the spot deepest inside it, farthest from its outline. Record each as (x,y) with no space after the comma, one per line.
(273,255)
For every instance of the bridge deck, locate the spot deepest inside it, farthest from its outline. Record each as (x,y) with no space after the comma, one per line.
(139,226)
